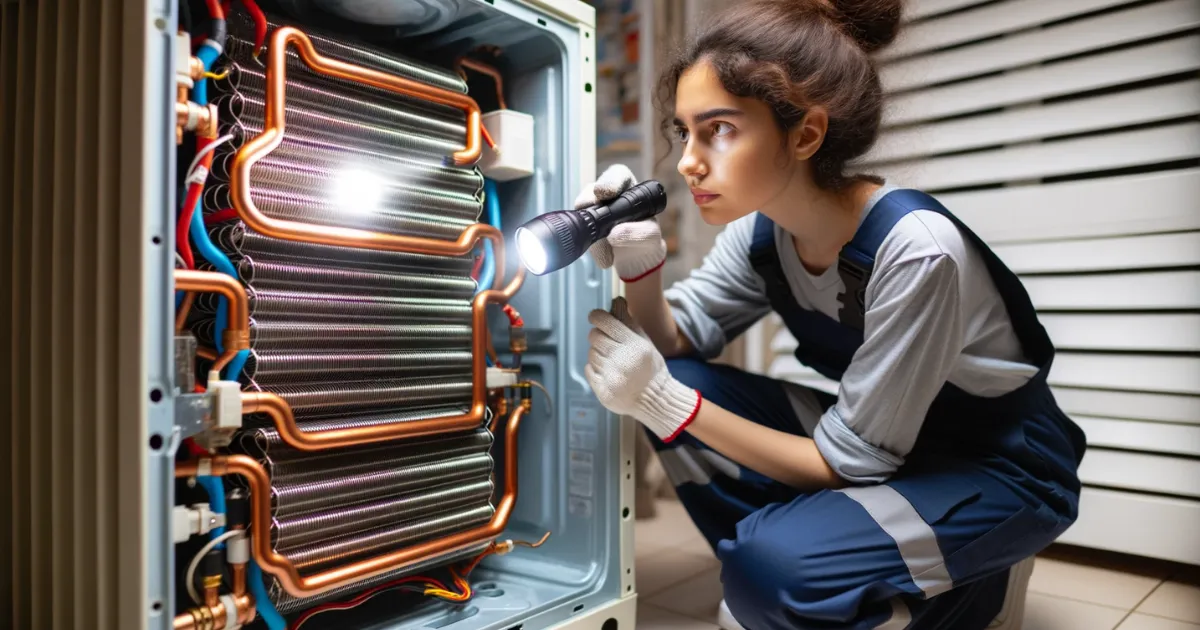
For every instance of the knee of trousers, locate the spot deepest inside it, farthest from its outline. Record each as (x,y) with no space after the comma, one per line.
(765,578)
(696,374)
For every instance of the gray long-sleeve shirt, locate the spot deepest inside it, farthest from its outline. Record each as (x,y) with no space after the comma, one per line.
(933,315)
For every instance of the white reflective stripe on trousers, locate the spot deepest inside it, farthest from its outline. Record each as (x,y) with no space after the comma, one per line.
(687,464)
(913,536)
(900,618)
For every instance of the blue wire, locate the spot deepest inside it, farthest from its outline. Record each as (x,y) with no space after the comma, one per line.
(216,501)
(491,200)
(262,601)
(204,245)
(216,489)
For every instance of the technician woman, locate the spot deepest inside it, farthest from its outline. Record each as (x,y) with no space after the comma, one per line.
(917,496)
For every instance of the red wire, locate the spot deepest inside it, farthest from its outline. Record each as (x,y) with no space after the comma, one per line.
(363,597)
(183,227)
(221,216)
(477,267)
(215,10)
(260,24)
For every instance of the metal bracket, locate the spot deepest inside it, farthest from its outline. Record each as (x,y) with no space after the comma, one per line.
(193,413)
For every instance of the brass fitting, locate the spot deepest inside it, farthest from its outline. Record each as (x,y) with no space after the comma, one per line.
(199,118)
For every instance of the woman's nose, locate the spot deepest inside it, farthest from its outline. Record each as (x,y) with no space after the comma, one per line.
(690,164)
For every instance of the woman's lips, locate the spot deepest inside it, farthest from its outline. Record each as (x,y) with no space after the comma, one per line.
(702,196)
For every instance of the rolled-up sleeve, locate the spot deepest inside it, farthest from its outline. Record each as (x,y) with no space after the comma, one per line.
(912,338)
(724,296)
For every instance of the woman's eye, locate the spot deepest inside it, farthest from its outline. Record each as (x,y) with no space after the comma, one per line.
(681,134)
(721,129)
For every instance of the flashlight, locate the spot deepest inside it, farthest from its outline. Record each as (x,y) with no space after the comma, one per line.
(554,240)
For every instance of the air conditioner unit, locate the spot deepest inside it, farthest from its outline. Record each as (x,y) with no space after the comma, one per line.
(275,362)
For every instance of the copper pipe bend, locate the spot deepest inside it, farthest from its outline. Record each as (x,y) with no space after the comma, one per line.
(297,585)
(237,329)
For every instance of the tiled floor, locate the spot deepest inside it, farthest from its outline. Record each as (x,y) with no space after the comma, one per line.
(1072,589)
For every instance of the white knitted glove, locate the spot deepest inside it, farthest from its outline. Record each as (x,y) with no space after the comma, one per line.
(629,376)
(634,249)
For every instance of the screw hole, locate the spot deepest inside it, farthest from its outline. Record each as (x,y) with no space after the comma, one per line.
(587,87)
(625,513)
(156,395)
(156,442)
(160,24)
(627,476)
(541,22)
(157,240)
(157,606)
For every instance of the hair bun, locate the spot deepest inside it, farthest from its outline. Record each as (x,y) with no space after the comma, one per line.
(872,23)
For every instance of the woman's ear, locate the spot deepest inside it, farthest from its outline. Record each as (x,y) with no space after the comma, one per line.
(807,136)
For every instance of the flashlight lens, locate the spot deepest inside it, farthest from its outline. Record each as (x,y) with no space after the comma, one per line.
(532,251)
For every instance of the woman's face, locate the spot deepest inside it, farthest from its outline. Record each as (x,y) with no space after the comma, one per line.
(734,159)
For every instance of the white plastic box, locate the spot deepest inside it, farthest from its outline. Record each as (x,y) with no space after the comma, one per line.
(512,131)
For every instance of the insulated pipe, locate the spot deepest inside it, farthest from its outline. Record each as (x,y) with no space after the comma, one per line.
(204,617)
(297,585)
(281,413)
(237,331)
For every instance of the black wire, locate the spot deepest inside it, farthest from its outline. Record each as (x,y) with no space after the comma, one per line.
(185,16)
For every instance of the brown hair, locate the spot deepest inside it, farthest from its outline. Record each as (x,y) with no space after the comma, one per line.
(796,54)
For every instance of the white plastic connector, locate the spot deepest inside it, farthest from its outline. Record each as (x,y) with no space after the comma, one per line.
(183,58)
(497,378)
(237,549)
(189,520)
(227,403)
(512,131)
(231,612)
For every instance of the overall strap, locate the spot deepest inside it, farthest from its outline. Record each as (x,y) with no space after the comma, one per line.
(858,260)
(764,258)
(823,343)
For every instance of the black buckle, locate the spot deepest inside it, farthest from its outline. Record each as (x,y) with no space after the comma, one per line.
(854,298)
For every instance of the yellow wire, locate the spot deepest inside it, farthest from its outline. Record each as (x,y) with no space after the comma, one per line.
(210,75)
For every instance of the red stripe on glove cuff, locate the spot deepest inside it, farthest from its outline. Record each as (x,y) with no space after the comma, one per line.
(690,418)
(643,275)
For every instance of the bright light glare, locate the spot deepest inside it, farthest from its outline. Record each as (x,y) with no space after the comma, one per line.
(358,191)
(532,251)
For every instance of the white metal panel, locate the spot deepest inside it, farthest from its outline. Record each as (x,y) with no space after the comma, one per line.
(1072,38)
(1127,522)
(1167,374)
(1141,471)
(1116,292)
(1103,254)
(1180,409)
(1146,105)
(1112,206)
(1068,157)
(1148,332)
(1057,79)
(1157,437)
(988,21)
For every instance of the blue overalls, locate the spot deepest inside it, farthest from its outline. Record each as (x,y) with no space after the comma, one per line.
(990,481)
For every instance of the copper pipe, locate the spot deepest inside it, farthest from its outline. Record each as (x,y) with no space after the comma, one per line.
(212,590)
(485,69)
(306,586)
(285,421)
(181,316)
(237,330)
(203,617)
(206,353)
(239,579)
(273,127)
